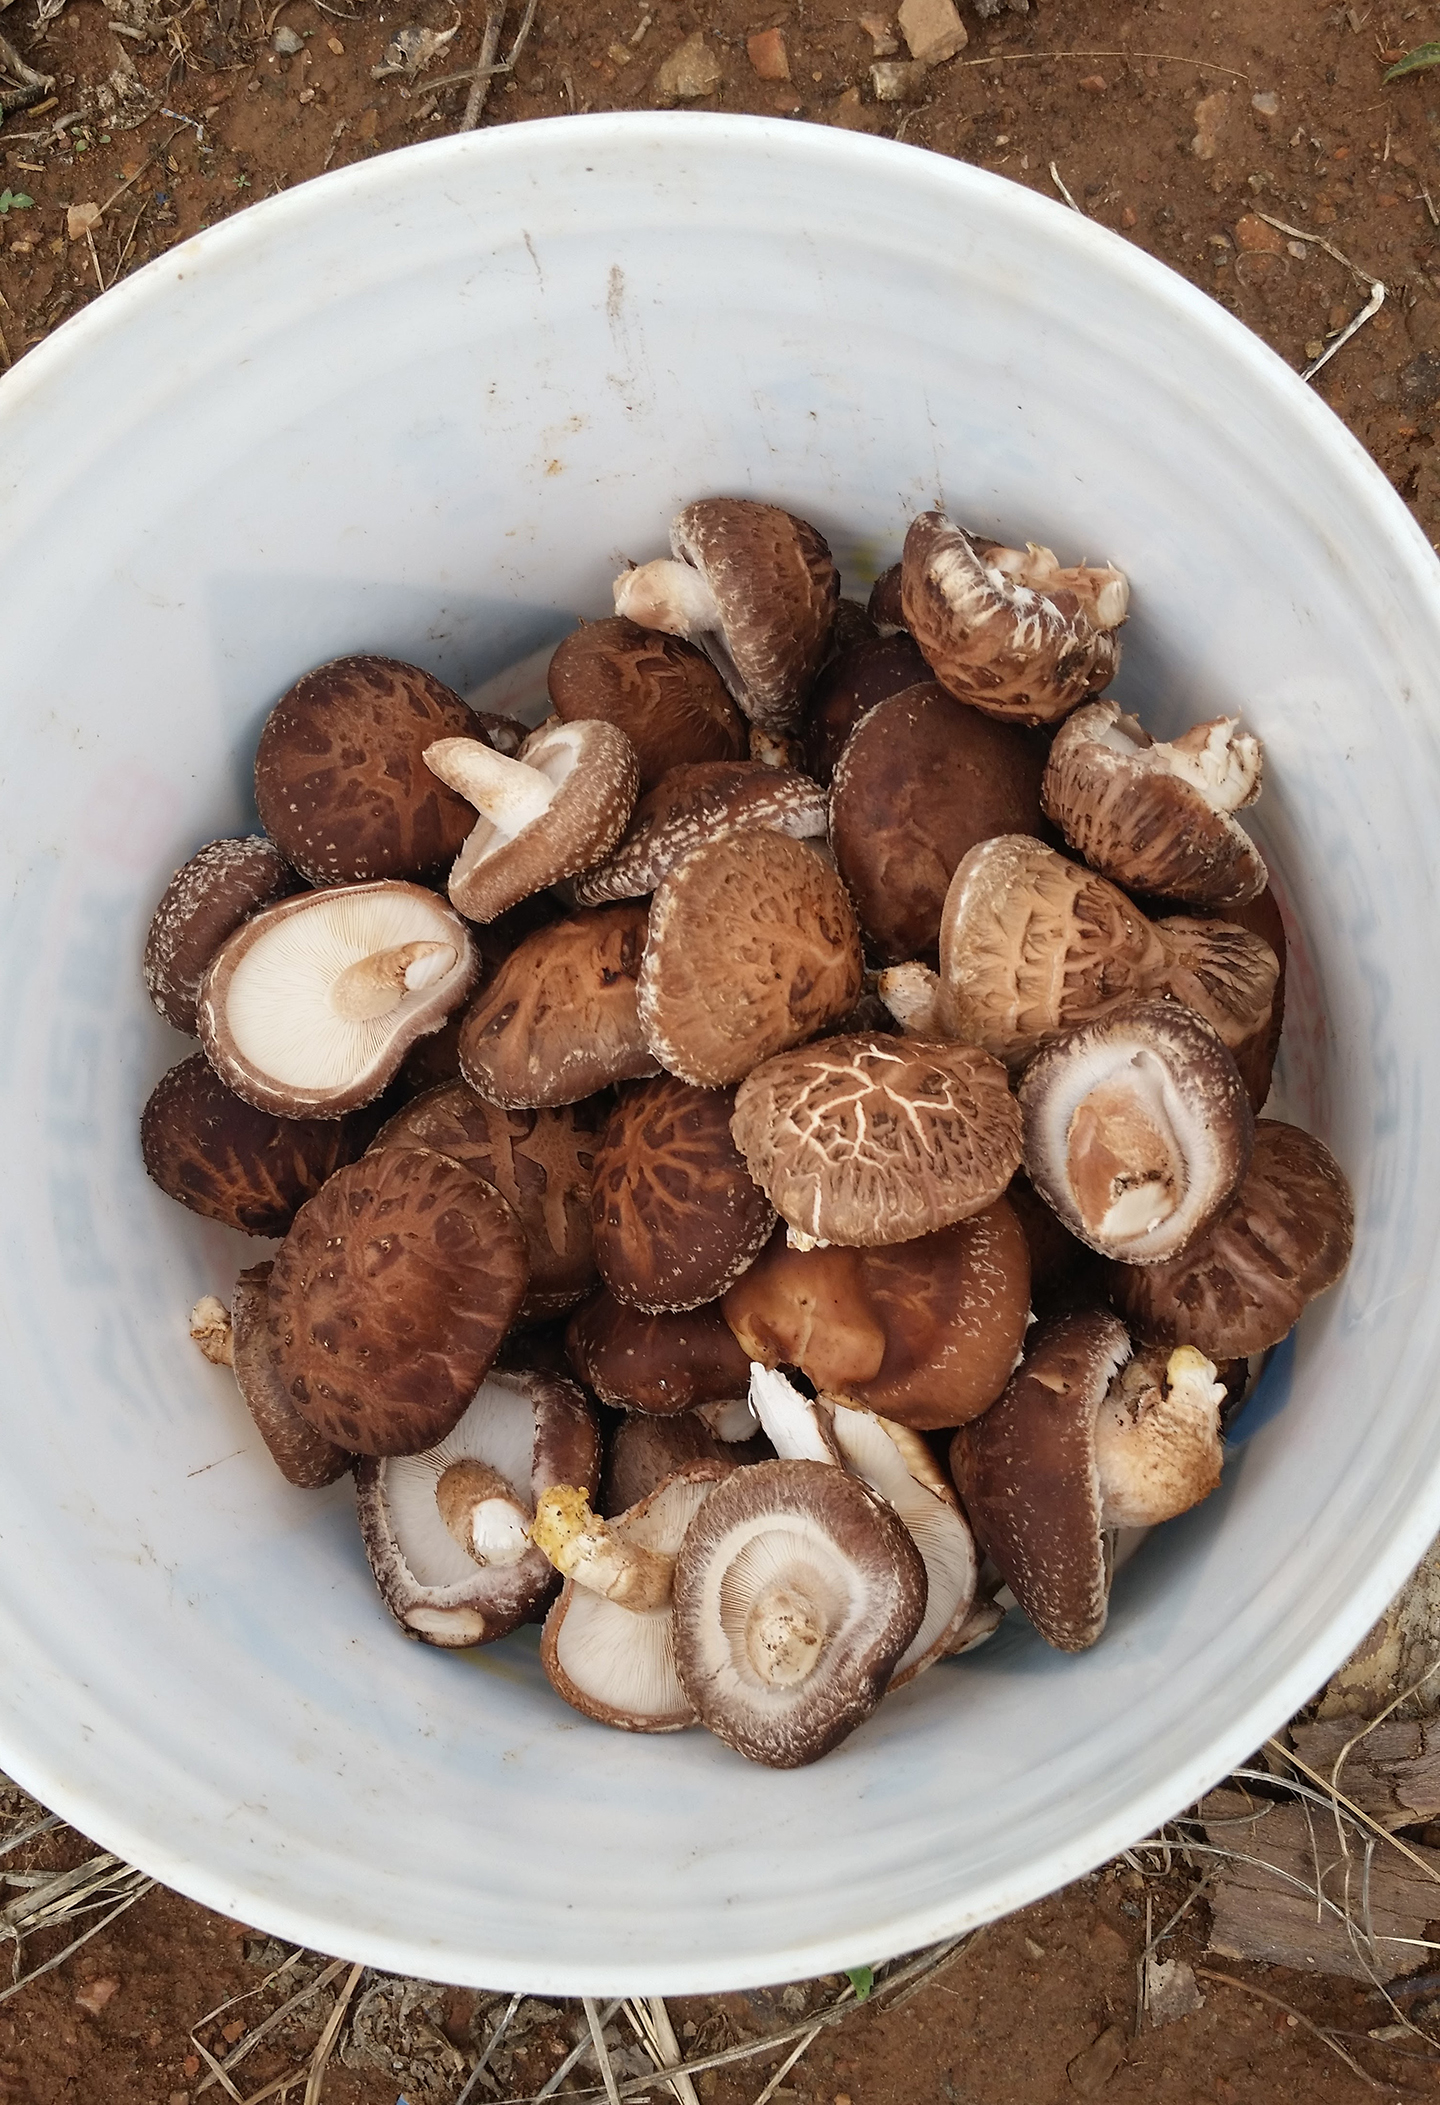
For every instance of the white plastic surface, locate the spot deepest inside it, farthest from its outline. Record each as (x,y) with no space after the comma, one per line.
(426,406)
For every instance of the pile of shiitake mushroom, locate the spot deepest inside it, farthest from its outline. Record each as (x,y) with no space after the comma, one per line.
(677,1117)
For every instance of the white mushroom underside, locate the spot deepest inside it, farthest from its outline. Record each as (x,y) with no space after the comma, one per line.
(767,1559)
(1145,1209)
(278,1008)
(497,1428)
(550,762)
(940,1533)
(1224,767)
(619,1659)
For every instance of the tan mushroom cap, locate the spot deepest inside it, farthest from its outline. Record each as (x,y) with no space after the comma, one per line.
(1028,1479)
(925,1332)
(752,947)
(304,1457)
(1158,1447)
(1225,973)
(870,1139)
(1031,944)
(220,886)
(677,1215)
(390,1298)
(1285,1238)
(662,692)
(1157,817)
(756,588)
(796,1591)
(692,805)
(676,1361)
(310,1007)
(557,807)
(1255,1055)
(559,1020)
(1137,1130)
(1013,634)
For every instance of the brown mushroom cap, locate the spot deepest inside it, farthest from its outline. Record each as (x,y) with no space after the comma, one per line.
(921,781)
(559,1019)
(304,1457)
(925,1332)
(1017,637)
(390,1297)
(759,600)
(1031,944)
(645,1449)
(1255,1055)
(884,605)
(204,902)
(1225,973)
(1028,1480)
(541,1163)
(851,684)
(248,1169)
(1137,1130)
(676,1361)
(1156,818)
(662,692)
(690,805)
(870,1139)
(420,1514)
(752,947)
(1285,1238)
(340,777)
(796,1590)
(309,1008)
(677,1216)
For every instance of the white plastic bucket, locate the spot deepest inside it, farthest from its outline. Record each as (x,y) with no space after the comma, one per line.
(426,406)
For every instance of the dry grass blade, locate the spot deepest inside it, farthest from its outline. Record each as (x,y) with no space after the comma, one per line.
(490,2045)
(217,2073)
(787,2064)
(668,2047)
(252,2039)
(1164,58)
(576,2054)
(74,1946)
(1354,1810)
(324,2045)
(484,72)
(275,2089)
(602,2052)
(1204,1973)
(36,1827)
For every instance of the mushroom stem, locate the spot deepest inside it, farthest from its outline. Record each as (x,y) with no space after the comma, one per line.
(482,1513)
(510,793)
(667,595)
(1157,1444)
(211,1329)
(584,1548)
(910,993)
(784,1634)
(376,985)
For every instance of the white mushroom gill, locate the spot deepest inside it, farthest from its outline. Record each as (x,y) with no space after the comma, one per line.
(1129,1141)
(784,1593)
(498,1429)
(668,595)
(510,794)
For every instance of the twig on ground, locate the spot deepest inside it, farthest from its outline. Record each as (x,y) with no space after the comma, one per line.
(484,72)
(1058,180)
(787,2064)
(1351,1807)
(253,2038)
(74,1946)
(553,2083)
(602,2052)
(1371,308)
(490,2045)
(324,2045)
(1165,58)
(1204,1973)
(277,2088)
(650,2022)
(36,1827)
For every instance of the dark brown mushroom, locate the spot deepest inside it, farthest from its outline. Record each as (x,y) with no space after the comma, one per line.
(677,1216)
(340,777)
(559,1020)
(204,902)
(1285,1238)
(390,1297)
(304,1457)
(677,1361)
(885,606)
(662,692)
(696,804)
(852,683)
(866,1139)
(752,947)
(645,1449)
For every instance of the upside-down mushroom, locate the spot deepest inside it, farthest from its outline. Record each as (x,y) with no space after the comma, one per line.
(205,901)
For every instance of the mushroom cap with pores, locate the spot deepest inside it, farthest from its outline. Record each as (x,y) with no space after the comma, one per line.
(677,1215)
(1010,633)
(1157,817)
(341,783)
(390,1297)
(310,1006)
(445,1529)
(559,1020)
(870,1139)
(678,1360)
(1285,1238)
(691,805)
(221,885)
(662,692)
(752,947)
(796,1591)
(1137,1130)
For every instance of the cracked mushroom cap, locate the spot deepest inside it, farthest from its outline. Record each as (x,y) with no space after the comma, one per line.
(540,1162)
(1158,1448)
(1137,1130)
(304,1457)
(1009,631)
(1285,1238)
(248,1169)
(662,692)
(559,1020)
(870,1139)
(1031,944)
(310,1007)
(341,783)
(796,1592)
(447,1530)
(677,1215)
(1028,1479)
(921,781)
(756,588)
(870,671)
(752,947)
(390,1297)
(204,902)
(554,809)
(925,1332)
(676,1361)
(1157,817)
(696,804)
